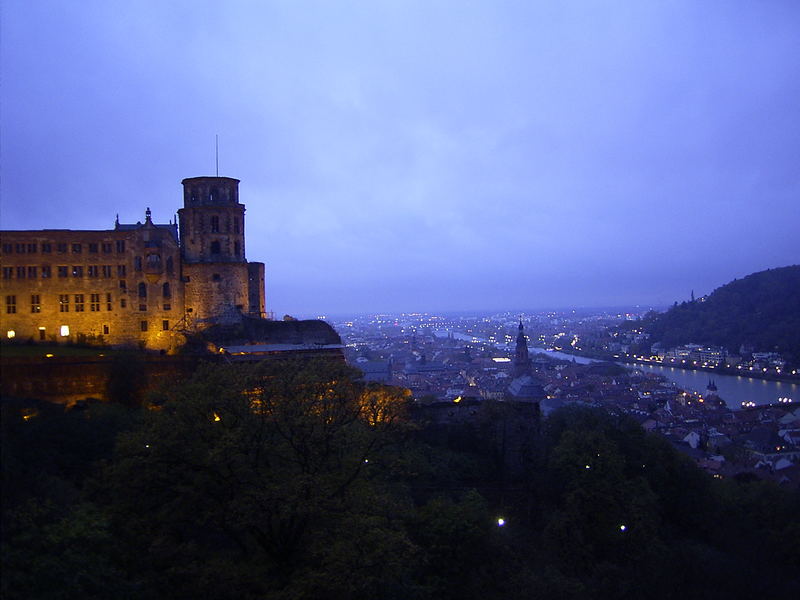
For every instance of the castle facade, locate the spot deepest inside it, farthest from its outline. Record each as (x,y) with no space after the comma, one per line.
(144,284)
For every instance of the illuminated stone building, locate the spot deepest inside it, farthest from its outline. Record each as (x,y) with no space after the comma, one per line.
(143,284)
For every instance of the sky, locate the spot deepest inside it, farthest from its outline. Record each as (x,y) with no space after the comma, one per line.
(427,155)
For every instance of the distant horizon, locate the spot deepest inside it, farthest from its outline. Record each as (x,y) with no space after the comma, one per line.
(481,312)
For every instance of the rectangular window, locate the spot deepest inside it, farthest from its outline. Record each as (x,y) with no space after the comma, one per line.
(93,247)
(143,307)
(120,246)
(105,329)
(42,334)
(79,304)
(123,286)
(36,305)
(215,224)
(143,325)
(108,302)
(20,248)
(107,271)
(11,304)
(137,263)
(121,271)
(63,303)
(62,271)
(47,248)
(106,247)
(165,325)
(94,302)
(93,271)
(123,303)
(8,272)
(32,272)
(77,271)
(61,247)
(31,248)
(20,272)
(77,248)
(46,272)
(8,248)
(167,306)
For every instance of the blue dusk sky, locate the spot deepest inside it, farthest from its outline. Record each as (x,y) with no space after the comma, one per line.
(423,155)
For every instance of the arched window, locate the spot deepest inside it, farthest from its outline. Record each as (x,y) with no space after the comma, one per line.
(215,247)
(142,290)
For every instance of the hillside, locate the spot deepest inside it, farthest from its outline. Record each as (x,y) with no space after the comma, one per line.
(761,310)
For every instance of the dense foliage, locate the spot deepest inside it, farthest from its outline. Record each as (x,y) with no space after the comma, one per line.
(762,310)
(296,481)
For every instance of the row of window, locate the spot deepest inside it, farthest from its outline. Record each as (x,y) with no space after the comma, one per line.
(46,271)
(216,248)
(215,225)
(106,271)
(64,330)
(63,247)
(96,302)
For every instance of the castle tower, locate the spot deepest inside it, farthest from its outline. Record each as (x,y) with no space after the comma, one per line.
(522,361)
(220,284)
(211,220)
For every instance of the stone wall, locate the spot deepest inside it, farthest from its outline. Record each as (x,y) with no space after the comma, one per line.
(64,380)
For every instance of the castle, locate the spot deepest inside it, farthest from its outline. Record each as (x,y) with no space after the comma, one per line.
(143,284)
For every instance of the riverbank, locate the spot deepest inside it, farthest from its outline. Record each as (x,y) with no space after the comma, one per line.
(734,371)
(744,372)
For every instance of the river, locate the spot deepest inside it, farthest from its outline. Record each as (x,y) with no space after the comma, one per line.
(733,389)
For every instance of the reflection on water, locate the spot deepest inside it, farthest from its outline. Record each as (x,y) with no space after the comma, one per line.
(734,389)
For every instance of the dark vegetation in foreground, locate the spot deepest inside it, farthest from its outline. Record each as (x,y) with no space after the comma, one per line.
(295,481)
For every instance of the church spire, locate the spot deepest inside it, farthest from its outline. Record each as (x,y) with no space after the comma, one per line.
(522,361)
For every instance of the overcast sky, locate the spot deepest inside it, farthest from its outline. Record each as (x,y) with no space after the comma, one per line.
(425,155)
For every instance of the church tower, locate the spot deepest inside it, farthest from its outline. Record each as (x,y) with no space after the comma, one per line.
(522,362)
(220,284)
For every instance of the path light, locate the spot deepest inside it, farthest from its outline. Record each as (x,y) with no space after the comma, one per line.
(622,528)
(500,521)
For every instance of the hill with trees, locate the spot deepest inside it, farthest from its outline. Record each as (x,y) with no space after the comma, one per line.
(761,310)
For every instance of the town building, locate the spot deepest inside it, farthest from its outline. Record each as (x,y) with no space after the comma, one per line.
(144,284)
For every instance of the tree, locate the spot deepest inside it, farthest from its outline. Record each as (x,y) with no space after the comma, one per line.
(266,465)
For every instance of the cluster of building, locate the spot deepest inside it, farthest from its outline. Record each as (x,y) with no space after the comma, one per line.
(462,370)
(711,357)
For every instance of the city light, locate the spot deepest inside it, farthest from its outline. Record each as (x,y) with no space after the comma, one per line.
(501,521)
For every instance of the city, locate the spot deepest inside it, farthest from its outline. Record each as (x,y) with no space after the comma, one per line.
(454,359)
